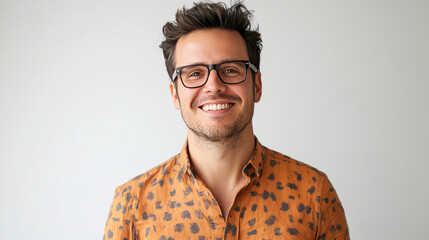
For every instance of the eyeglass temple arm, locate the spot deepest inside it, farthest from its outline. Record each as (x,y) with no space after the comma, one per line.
(174,75)
(251,66)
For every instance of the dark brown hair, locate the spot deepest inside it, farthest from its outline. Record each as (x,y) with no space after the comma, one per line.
(205,15)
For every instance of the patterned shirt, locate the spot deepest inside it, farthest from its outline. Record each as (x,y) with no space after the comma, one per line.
(282,199)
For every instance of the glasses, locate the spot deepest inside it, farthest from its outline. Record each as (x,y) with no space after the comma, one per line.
(230,72)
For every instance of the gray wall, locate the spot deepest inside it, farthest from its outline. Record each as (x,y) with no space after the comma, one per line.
(85,106)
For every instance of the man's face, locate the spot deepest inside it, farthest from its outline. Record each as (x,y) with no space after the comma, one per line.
(213,46)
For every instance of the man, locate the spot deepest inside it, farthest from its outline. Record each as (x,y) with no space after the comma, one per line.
(223,184)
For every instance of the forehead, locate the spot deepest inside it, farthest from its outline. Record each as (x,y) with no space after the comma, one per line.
(210,46)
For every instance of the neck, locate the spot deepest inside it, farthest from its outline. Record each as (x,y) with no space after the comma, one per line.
(224,159)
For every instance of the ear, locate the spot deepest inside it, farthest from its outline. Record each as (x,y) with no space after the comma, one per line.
(258,87)
(174,95)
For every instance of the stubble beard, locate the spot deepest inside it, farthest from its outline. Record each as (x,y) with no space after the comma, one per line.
(219,134)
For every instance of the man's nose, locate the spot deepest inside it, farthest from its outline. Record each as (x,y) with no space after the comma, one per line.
(214,84)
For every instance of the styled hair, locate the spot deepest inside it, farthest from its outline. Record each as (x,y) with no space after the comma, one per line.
(206,15)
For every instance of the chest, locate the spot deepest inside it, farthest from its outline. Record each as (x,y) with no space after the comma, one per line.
(193,212)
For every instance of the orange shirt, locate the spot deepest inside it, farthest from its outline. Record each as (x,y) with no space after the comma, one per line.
(282,199)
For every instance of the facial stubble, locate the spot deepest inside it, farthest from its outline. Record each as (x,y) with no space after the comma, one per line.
(215,134)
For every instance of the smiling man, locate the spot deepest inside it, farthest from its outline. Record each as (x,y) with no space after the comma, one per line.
(223,184)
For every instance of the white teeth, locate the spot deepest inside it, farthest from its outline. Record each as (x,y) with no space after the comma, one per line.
(214,107)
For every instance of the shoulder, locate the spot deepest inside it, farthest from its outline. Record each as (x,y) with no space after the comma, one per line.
(157,175)
(300,179)
(126,198)
(286,164)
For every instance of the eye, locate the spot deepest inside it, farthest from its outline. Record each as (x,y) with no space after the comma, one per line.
(194,74)
(230,70)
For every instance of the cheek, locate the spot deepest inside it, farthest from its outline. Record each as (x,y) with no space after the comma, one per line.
(186,97)
(248,93)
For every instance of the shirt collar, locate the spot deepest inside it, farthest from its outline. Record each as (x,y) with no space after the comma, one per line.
(183,164)
(257,161)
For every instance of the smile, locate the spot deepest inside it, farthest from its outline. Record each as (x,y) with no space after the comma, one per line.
(216,107)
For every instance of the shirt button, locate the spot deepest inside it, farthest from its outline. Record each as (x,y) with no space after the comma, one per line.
(190,172)
(207,193)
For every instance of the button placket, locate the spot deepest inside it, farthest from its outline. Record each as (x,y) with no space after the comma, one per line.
(213,213)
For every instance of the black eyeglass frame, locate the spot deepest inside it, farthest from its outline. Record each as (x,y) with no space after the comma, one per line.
(178,71)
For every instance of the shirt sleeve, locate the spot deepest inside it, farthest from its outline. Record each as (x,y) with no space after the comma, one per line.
(332,221)
(118,221)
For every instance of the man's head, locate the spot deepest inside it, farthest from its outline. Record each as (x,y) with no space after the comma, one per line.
(215,105)
(206,15)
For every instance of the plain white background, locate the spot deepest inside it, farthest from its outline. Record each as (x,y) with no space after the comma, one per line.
(85,106)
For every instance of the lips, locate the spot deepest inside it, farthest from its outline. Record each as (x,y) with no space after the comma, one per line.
(216,107)
(218,102)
